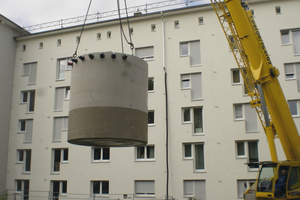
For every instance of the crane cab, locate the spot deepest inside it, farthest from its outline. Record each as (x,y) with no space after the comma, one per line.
(276,181)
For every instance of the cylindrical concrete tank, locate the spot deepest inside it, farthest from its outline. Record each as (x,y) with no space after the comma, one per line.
(108,101)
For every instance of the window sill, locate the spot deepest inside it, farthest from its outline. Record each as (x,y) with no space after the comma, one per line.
(29,113)
(287,44)
(197,99)
(144,196)
(296,116)
(147,60)
(27,142)
(198,134)
(26,173)
(151,91)
(56,141)
(100,161)
(64,162)
(186,88)
(198,65)
(101,195)
(234,84)
(55,173)
(199,171)
(150,125)
(239,119)
(21,132)
(57,80)
(29,84)
(188,158)
(241,157)
(290,79)
(145,160)
(58,111)
(257,131)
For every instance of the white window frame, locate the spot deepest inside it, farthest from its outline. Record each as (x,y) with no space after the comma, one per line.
(98,36)
(151,78)
(26,131)
(176,24)
(100,194)
(190,196)
(66,97)
(246,151)
(185,79)
(146,57)
(41,45)
(144,194)
(240,77)
(193,155)
(287,35)
(30,72)
(248,182)
(64,127)
(101,154)
(61,186)
(62,160)
(153,27)
(145,158)
(187,47)
(297,107)
(277,10)
(151,124)
(192,119)
(200,20)
(58,42)
(24,159)
(62,70)
(292,74)
(26,101)
(242,118)
(22,190)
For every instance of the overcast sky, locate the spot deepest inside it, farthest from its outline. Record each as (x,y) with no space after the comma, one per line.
(32,12)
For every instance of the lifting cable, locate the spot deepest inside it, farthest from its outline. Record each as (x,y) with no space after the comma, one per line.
(87,12)
(122,30)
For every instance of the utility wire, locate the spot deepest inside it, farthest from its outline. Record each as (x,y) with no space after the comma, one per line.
(87,12)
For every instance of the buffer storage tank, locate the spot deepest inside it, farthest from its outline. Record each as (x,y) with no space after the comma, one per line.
(108,101)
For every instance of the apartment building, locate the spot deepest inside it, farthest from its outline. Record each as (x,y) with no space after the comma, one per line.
(196,104)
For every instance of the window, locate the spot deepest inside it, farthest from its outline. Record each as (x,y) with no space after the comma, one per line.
(77,39)
(145,152)
(63,65)
(292,71)
(176,24)
(98,36)
(59,156)
(25,126)
(61,94)
(151,117)
(144,188)
(29,70)
(243,186)
(58,188)
(296,41)
(195,189)
(28,97)
(100,154)
(194,83)
(24,157)
(233,45)
(131,31)
(278,10)
(293,182)
(145,53)
(249,150)
(100,187)
(60,125)
(150,84)
(195,152)
(191,49)
(41,45)
(236,78)
(24,47)
(245,113)
(22,189)
(285,37)
(200,20)
(108,34)
(58,42)
(193,116)
(293,105)
(153,27)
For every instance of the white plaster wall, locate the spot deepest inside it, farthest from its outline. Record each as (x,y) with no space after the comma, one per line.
(222,168)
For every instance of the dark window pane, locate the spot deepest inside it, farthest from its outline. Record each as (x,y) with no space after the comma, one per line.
(19,185)
(187,150)
(64,186)
(198,126)
(151,117)
(186,115)
(28,160)
(105,153)
(140,152)
(105,187)
(21,155)
(31,103)
(56,160)
(23,125)
(150,84)
(97,153)
(96,187)
(25,94)
(66,154)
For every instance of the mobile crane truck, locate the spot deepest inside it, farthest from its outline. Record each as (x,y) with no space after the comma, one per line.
(261,82)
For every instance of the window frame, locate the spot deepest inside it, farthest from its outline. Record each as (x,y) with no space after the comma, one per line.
(151,89)
(151,123)
(26,99)
(146,57)
(152,194)
(101,159)
(145,151)
(192,119)
(248,182)
(61,158)
(193,155)
(60,70)
(233,77)
(23,153)
(284,36)
(100,188)
(247,152)
(297,107)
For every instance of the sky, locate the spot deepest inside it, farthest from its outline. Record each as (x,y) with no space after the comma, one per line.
(32,12)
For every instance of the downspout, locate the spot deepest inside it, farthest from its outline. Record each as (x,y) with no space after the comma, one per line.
(166,101)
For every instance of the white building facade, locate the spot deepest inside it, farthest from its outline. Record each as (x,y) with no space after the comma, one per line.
(204,115)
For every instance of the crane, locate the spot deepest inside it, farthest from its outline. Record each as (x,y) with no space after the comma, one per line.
(276,179)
